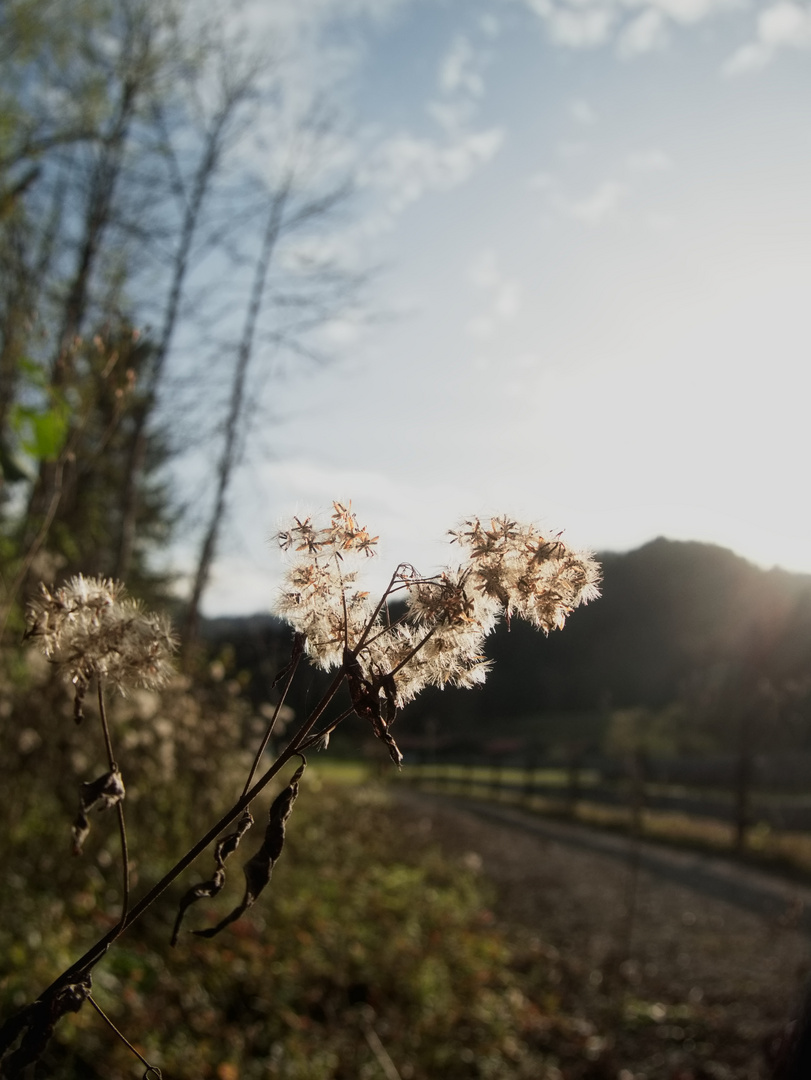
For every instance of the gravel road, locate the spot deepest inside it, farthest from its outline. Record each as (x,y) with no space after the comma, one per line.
(668,927)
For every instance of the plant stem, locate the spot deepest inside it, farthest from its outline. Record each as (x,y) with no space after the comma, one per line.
(317,736)
(122,829)
(95,952)
(105,727)
(263,746)
(122,1037)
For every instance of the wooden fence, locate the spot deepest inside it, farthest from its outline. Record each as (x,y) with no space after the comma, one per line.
(629,795)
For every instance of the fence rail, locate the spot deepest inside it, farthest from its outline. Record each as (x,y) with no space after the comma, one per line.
(742,808)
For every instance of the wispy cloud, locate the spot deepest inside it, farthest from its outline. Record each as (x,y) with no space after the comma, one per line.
(644,34)
(649,161)
(688,12)
(634,27)
(461,68)
(597,207)
(581,111)
(406,166)
(490,26)
(578,26)
(782,25)
(502,296)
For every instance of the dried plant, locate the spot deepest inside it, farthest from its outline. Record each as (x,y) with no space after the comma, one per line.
(381,652)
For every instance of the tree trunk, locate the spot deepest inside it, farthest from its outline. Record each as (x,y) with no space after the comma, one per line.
(135,468)
(229,455)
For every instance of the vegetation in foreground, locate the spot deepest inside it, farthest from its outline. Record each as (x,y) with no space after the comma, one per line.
(97,638)
(375,953)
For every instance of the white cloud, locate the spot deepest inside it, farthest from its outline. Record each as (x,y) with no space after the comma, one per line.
(693,11)
(646,33)
(503,296)
(636,26)
(647,161)
(601,205)
(460,69)
(405,166)
(786,24)
(783,25)
(301,32)
(604,201)
(751,57)
(581,28)
(582,112)
(490,26)
(452,116)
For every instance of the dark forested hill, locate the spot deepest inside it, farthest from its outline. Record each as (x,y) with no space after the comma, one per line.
(671,614)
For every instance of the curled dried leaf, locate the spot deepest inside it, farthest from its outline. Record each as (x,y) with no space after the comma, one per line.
(207,889)
(102,793)
(36,1023)
(81,684)
(259,867)
(375,700)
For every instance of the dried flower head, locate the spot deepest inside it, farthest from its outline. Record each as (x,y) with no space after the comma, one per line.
(510,569)
(532,575)
(89,628)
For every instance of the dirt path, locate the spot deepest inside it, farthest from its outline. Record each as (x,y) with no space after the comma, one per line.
(669,930)
(775,898)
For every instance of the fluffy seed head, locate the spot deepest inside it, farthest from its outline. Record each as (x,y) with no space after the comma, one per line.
(509,570)
(89,628)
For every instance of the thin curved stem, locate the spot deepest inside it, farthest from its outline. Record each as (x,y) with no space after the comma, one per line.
(122,828)
(317,736)
(380,605)
(105,727)
(293,667)
(414,651)
(149,1068)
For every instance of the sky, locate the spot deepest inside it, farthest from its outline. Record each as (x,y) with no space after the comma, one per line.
(590,228)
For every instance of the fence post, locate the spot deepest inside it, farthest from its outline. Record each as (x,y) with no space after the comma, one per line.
(639,775)
(742,784)
(574,780)
(529,780)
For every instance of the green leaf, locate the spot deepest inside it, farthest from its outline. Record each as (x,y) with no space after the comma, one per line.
(42,431)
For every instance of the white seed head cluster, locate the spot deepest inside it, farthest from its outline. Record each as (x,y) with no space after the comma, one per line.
(92,630)
(509,570)
(531,575)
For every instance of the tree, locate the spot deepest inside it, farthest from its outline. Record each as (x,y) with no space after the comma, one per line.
(129,71)
(122,196)
(234,90)
(300,201)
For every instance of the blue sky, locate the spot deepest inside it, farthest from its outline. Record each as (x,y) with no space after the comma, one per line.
(593,226)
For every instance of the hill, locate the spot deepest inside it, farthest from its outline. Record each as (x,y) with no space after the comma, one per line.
(674,616)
